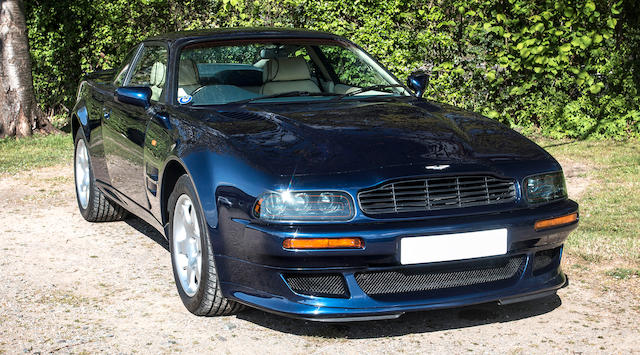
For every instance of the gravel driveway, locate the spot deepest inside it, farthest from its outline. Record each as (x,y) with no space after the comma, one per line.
(71,286)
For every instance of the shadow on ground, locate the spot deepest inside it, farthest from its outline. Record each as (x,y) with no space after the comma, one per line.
(146,229)
(410,323)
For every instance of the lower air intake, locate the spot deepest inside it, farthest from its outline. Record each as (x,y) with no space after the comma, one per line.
(543,260)
(323,285)
(430,279)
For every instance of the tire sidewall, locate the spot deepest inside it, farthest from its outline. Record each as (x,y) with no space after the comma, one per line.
(90,201)
(184,186)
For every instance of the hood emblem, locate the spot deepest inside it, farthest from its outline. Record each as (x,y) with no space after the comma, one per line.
(437,167)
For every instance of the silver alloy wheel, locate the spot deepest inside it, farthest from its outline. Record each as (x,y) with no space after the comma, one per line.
(82,173)
(187,253)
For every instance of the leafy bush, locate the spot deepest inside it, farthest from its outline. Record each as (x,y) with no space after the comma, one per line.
(565,68)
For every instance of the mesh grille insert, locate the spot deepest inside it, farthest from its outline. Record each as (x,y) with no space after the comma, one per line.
(329,285)
(436,193)
(428,279)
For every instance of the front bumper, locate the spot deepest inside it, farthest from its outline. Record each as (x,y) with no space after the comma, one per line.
(252,266)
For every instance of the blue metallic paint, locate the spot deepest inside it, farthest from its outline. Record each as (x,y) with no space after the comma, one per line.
(138,96)
(234,153)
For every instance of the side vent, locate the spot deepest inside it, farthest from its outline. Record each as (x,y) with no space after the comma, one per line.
(152,179)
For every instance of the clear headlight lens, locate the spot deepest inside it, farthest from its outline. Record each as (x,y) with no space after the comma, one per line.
(304,206)
(545,187)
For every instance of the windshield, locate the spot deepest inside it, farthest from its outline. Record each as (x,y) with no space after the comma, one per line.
(275,71)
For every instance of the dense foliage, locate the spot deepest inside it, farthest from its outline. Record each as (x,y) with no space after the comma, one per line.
(566,68)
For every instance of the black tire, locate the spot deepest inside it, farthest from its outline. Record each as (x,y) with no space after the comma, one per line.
(208,300)
(99,207)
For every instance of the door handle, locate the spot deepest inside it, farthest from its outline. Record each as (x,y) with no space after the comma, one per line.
(106,113)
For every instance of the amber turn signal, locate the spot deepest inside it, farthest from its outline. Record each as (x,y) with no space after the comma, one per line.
(323,243)
(554,222)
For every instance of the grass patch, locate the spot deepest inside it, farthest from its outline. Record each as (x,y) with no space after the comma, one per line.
(623,273)
(610,207)
(34,152)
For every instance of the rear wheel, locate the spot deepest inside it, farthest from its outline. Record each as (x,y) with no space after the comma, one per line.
(93,204)
(191,255)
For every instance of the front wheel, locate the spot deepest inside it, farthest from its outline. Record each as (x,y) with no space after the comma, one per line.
(191,255)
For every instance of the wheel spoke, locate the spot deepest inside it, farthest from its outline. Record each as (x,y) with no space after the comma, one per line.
(194,222)
(193,262)
(183,246)
(189,275)
(186,213)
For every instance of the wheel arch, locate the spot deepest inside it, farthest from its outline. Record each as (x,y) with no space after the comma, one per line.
(170,175)
(197,168)
(75,125)
(80,119)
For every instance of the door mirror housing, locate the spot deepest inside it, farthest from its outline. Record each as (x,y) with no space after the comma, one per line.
(418,83)
(134,95)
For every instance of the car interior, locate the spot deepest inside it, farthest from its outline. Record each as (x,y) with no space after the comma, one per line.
(278,70)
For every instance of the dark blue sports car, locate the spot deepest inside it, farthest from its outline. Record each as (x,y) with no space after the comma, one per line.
(291,172)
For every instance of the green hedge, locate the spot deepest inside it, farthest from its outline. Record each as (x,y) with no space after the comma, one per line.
(564,68)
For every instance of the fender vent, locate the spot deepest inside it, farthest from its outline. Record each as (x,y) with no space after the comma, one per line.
(242,115)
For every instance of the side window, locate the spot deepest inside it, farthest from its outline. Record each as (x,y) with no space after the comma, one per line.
(350,69)
(151,70)
(313,69)
(122,73)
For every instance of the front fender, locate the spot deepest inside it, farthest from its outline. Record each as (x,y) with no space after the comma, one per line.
(223,182)
(199,169)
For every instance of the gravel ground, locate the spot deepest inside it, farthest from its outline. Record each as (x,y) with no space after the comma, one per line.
(74,287)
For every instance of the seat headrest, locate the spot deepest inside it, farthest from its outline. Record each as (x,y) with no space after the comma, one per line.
(287,69)
(158,73)
(188,73)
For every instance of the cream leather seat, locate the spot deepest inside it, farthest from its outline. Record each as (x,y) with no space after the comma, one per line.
(157,79)
(287,74)
(188,78)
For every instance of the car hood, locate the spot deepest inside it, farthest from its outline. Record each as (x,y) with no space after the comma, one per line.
(356,135)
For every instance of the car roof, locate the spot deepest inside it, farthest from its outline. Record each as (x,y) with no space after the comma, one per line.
(243,33)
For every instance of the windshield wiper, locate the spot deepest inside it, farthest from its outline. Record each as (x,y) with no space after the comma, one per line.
(283,94)
(368,88)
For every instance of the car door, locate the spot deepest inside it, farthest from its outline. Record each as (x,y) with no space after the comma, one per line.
(124,127)
(97,111)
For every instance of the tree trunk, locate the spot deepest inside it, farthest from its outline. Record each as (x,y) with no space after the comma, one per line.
(19,113)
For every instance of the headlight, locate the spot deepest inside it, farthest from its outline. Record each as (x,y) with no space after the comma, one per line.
(545,187)
(304,206)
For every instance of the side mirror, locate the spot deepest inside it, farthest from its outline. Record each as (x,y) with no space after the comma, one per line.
(134,95)
(418,83)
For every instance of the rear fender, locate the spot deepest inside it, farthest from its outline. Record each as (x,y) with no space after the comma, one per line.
(81,120)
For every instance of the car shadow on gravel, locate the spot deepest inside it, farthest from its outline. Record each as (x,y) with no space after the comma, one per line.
(146,229)
(410,323)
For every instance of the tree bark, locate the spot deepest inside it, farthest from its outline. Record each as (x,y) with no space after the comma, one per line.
(20,115)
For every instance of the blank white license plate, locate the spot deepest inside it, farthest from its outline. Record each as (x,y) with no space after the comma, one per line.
(458,246)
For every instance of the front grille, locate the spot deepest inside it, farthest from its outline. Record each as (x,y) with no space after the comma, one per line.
(542,260)
(327,285)
(436,193)
(427,279)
